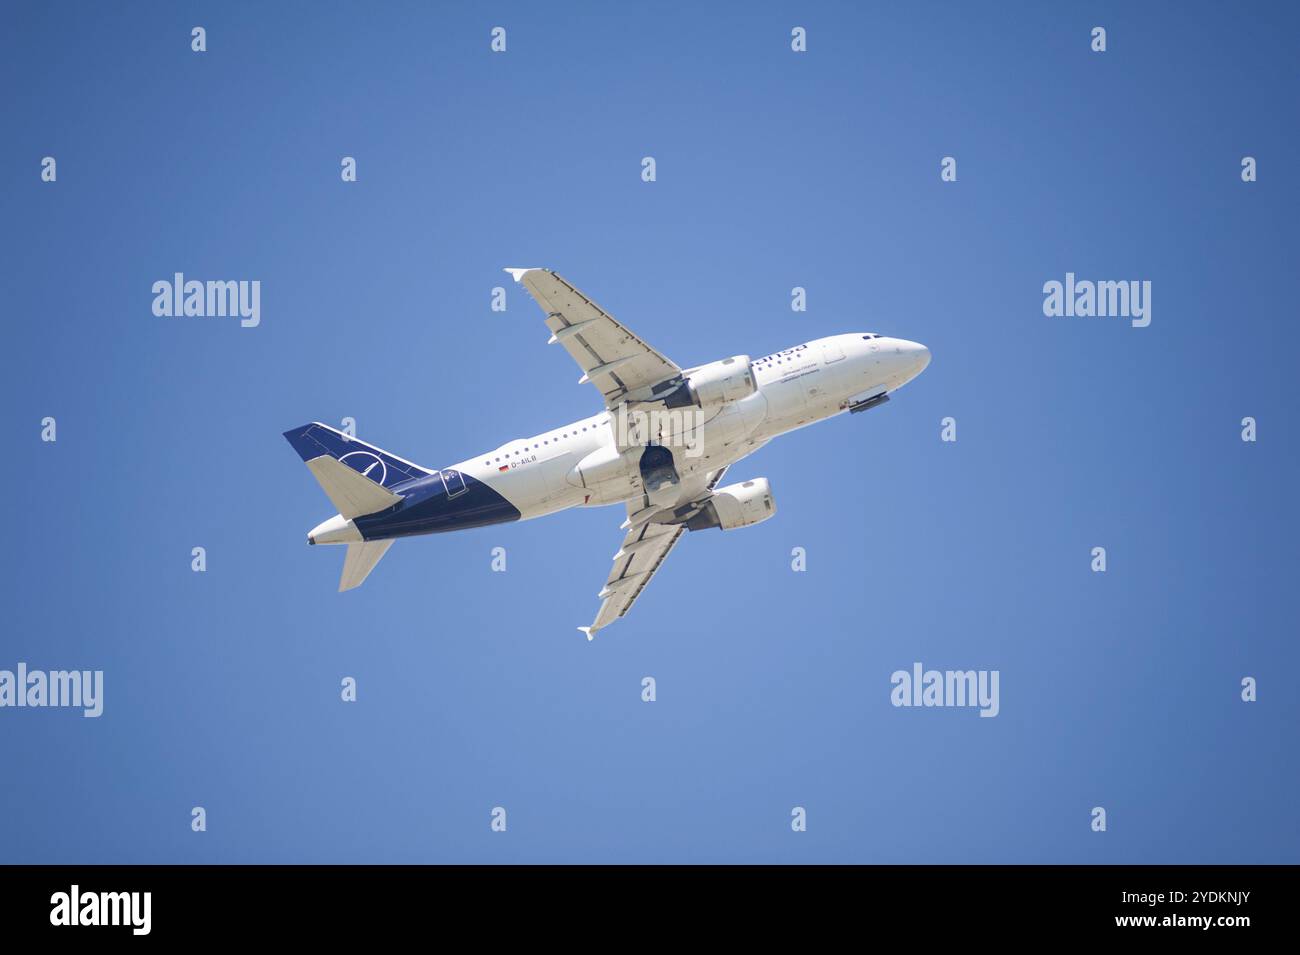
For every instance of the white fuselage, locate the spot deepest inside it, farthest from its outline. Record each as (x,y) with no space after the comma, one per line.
(557,469)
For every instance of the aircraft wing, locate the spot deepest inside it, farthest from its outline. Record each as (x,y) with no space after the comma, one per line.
(644,549)
(611,357)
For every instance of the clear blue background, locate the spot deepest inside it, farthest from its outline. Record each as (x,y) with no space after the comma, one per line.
(774,170)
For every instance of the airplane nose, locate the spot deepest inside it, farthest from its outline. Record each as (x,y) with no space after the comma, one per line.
(915,357)
(922,357)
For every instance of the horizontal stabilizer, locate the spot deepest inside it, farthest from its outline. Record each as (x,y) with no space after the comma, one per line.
(360,561)
(352,493)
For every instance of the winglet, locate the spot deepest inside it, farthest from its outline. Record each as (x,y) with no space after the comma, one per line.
(588,632)
(518,274)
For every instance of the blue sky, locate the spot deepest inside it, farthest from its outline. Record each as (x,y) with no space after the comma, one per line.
(775,170)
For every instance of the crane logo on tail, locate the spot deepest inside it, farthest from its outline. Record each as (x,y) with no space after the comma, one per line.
(370,465)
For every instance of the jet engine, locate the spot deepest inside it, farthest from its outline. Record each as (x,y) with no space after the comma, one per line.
(736,505)
(714,384)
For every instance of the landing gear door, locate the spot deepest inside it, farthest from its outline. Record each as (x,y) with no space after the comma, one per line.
(453,482)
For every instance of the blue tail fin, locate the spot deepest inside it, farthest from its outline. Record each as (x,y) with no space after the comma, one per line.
(316,439)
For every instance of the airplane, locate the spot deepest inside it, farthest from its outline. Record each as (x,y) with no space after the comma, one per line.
(660,447)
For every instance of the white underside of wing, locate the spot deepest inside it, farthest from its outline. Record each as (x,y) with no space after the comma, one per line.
(610,355)
(645,546)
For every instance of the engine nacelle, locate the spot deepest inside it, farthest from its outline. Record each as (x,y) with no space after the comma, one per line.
(714,384)
(736,505)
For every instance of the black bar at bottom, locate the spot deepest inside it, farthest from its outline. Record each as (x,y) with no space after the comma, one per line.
(210,903)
